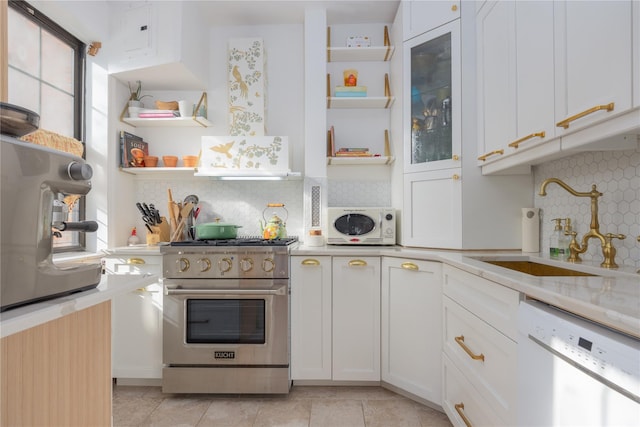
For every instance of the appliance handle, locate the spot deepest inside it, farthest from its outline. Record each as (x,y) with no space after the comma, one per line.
(282,290)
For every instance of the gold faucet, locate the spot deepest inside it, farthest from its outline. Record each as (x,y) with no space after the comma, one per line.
(575,249)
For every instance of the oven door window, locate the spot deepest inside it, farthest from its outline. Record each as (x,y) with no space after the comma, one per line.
(225,321)
(355,224)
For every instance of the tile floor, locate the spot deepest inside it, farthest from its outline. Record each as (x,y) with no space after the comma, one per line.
(303,406)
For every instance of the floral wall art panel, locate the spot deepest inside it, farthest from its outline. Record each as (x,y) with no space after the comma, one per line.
(245,69)
(238,153)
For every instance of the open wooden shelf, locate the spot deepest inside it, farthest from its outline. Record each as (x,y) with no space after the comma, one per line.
(193,121)
(385,101)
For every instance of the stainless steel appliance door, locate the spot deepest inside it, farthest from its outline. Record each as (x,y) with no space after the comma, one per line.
(574,373)
(233,325)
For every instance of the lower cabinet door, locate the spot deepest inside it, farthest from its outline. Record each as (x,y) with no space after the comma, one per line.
(311,317)
(412,326)
(356,318)
(137,334)
(462,403)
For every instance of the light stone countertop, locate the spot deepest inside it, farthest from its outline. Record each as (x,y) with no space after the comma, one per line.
(22,318)
(611,298)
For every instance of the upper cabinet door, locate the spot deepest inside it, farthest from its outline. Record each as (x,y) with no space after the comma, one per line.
(432,79)
(496,76)
(593,61)
(534,73)
(422,16)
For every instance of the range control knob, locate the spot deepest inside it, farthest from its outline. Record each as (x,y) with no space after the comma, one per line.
(79,171)
(205,263)
(246,265)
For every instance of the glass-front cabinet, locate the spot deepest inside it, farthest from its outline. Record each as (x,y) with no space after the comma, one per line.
(432,100)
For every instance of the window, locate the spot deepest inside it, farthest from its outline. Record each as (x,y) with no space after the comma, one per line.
(46,75)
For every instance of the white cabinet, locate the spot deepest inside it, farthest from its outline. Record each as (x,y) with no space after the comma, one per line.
(433,209)
(421,16)
(515,75)
(356,318)
(546,87)
(479,347)
(136,319)
(590,38)
(412,326)
(163,44)
(311,318)
(447,202)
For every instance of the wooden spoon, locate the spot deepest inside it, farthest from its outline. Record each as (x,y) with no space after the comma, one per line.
(184,214)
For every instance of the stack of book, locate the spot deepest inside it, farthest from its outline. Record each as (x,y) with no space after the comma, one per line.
(350,91)
(353,152)
(158,114)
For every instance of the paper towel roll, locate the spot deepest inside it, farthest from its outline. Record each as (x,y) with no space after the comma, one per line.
(530,230)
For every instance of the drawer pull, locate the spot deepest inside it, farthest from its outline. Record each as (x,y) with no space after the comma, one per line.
(517,142)
(409,266)
(357,263)
(310,261)
(565,123)
(135,261)
(460,410)
(460,341)
(490,153)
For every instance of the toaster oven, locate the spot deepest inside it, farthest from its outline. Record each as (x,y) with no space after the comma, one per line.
(361,226)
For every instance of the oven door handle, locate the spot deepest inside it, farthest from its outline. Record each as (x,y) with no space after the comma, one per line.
(282,290)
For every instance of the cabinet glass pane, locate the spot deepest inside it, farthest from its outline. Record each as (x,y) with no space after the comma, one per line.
(431,100)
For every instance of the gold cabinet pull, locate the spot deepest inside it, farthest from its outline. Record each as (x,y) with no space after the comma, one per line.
(409,266)
(135,261)
(565,123)
(517,142)
(357,263)
(490,153)
(460,410)
(310,261)
(460,341)
(455,177)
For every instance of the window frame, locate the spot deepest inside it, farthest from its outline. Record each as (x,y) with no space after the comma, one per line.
(79,84)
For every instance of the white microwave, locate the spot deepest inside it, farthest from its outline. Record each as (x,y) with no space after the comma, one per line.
(361,226)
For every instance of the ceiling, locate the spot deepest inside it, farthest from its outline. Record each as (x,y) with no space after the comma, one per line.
(266,12)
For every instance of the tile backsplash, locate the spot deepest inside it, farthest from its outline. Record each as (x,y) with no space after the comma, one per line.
(354,193)
(617,176)
(237,202)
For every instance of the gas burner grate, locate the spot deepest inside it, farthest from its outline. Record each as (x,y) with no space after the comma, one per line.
(239,241)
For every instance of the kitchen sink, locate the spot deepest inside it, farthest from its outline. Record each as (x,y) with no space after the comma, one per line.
(536,269)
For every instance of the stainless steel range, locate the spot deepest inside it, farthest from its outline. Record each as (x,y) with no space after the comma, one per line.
(226,316)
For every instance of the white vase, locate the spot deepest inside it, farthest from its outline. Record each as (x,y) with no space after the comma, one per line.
(134,108)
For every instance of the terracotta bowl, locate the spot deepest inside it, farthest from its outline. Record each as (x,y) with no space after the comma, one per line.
(170,161)
(151,161)
(190,161)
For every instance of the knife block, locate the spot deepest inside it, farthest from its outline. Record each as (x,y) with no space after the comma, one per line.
(162,229)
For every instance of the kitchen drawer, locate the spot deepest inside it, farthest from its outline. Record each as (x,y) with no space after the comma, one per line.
(486,357)
(133,264)
(493,303)
(457,391)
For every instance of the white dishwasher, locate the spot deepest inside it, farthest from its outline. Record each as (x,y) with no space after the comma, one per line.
(574,372)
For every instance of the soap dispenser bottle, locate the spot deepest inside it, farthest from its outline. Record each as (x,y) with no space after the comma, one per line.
(556,239)
(565,240)
(133,238)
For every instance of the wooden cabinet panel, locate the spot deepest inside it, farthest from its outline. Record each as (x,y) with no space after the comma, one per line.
(59,373)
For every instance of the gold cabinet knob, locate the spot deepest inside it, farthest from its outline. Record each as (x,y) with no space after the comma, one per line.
(455,157)
(455,177)
(454,7)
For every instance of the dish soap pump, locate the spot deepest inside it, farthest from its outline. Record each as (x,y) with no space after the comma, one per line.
(555,239)
(133,239)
